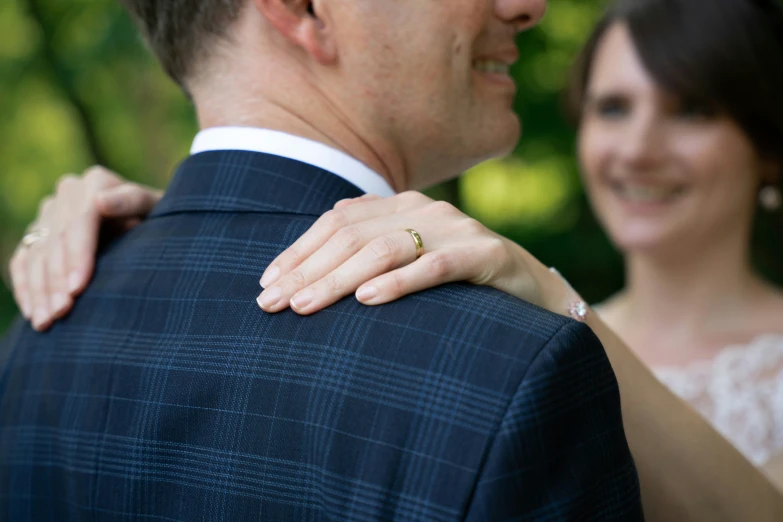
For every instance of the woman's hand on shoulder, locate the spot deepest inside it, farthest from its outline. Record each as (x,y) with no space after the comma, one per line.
(364,246)
(55,260)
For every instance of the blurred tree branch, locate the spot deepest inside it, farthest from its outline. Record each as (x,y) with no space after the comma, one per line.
(63,81)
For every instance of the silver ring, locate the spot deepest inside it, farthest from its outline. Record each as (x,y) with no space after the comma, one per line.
(34,237)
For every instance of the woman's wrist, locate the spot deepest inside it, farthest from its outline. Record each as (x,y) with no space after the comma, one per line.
(545,287)
(535,283)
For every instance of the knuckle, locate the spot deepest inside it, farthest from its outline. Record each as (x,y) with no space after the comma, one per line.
(442,208)
(289,259)
(46,205)
(99,175)
(396,284)
(332,284)
(335,219)
(65,182)
(297,278)
(473,227)
(497,249)
(349,238)
(130,189)
(438,264)
(413,198)
(384,249)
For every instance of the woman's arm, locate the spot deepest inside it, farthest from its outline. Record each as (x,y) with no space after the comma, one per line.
(688,471)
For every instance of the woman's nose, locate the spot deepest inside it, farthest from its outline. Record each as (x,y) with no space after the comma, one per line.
(642,143)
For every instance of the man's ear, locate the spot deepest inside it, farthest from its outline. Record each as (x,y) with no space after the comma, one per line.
(301,23)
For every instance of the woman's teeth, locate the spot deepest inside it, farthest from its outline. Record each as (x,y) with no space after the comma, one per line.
(646,193)
(491,67)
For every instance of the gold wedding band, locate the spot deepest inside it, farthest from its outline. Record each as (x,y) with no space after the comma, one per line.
(417,239)
(34,236)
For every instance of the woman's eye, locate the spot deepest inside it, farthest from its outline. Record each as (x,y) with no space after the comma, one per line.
(611,108)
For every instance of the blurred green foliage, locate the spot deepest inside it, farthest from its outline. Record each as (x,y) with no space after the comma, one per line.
(77,87)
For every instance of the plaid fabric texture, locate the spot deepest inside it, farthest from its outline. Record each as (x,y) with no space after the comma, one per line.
(168,395)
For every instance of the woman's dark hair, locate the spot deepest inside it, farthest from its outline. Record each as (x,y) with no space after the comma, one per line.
(725,54)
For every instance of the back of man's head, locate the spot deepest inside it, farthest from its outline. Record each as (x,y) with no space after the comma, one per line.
(182,32)
(417,89)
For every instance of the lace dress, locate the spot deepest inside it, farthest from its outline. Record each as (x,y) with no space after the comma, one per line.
(740,392)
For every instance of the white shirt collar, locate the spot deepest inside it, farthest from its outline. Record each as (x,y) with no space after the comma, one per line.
(296,148)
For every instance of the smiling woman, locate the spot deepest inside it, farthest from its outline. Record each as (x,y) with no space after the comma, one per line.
(677,156)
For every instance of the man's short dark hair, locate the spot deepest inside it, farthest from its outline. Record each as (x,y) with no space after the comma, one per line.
(182,32)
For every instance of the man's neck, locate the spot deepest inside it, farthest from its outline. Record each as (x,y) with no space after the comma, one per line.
(316,125)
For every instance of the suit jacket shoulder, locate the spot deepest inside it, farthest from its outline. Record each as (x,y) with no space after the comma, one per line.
(168,394)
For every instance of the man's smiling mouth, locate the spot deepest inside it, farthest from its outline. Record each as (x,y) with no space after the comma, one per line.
(491,67)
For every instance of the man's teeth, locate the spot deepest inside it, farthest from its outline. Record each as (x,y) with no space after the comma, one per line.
(492,67)
(646,194)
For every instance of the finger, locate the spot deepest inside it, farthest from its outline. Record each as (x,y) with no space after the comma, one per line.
(332,222)
(380,256)
(81,246)
(322,231)
(19,281)
(337,250)
(55,263)
(352,201)
(99,178)
(127,200)
(430,270)
(46,217)
(38,290)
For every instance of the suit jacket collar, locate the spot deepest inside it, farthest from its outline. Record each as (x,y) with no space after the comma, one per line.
(242,181)
(277,143)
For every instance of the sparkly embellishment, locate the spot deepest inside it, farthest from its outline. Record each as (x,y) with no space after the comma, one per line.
(578,310)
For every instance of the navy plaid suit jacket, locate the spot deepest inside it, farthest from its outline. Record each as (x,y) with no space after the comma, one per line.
(168,395)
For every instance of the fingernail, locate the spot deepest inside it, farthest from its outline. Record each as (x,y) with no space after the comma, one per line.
(40,316)
(366,294)
(301,300)
(26,312)
(74,281)
(269,298)
(59,302)
(270,276)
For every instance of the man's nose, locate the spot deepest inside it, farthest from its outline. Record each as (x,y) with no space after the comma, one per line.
(522,14)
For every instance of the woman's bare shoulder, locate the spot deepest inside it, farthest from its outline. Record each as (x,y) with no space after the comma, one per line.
(768,311)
